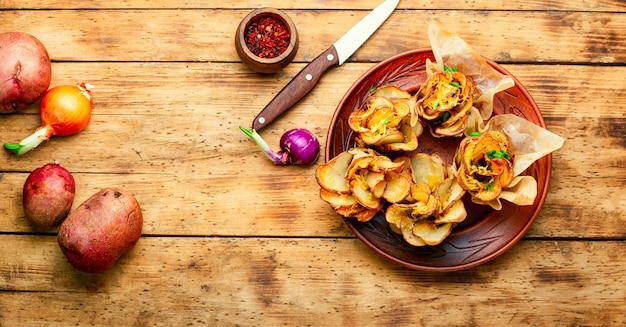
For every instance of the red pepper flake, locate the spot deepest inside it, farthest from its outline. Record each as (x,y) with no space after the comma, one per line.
(267,37)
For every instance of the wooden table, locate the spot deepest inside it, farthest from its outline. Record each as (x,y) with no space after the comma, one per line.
(230,239)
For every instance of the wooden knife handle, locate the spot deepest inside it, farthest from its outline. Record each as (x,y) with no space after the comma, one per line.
(297,88)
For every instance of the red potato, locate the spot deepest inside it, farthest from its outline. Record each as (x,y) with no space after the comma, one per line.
(48,195)
(25,71)
(102,229)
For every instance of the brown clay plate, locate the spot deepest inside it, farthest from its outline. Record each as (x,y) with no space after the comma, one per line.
(486,233)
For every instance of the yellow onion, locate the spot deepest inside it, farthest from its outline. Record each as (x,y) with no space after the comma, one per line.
(64,110)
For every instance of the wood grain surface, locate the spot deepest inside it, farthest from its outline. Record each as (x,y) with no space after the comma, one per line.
(229,239)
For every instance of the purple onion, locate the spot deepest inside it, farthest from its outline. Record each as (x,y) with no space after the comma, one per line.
(298,147)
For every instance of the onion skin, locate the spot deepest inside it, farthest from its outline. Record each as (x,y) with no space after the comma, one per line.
(64,110)
(302,146)
(25,71)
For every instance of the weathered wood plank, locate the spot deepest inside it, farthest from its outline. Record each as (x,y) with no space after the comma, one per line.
(207,35)
(316,282)
(192,203)
(611,5)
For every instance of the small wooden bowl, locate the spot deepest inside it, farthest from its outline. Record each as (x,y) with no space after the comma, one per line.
(266,65)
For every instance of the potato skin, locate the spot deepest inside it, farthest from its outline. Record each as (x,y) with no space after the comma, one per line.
(25,71)
(102,229)
(48,195)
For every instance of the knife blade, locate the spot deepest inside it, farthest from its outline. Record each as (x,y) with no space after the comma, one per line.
(336,55)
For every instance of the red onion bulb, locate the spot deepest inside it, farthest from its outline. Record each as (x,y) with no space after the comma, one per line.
(298,147)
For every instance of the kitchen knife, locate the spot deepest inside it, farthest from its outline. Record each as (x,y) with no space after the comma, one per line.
(336,55)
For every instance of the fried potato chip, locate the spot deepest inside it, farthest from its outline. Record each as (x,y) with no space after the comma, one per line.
(331,175)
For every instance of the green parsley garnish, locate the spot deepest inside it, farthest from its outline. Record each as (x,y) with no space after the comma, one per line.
(446,116)
(386,121)
(372,89)
(488,186)
(455,84)
(447,69)
(474,134)
(498,154)
(435,104)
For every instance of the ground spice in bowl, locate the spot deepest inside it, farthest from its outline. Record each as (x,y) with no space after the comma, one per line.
(267,37)
(266,40)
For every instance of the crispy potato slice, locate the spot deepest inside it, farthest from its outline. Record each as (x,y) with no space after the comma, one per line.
(374,178)
(425,209)
(371,138)
(428,169)
(376,102)
(409,142)
(449,192)
(380,139)
(351,211)
(456,213)
(506,174)
(499,166)
(376,182)
(430,233)
(383,163)
(337,200)
(382,119)
(358,164)
(359,212)
(410,237)
(361,192)
(331,175)
(357,120)
(398,187)
(395,229)
(420,192)
(467,181)
(407,170)
(362,152)
(456,129)
(392,136)
(395,213)
(402,108)
(490,191)
(367,214)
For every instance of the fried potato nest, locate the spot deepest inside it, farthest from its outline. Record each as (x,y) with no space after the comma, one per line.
(445,100)
(385,120)
(484,165)
(434,205)
(358,182)
(421,192)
